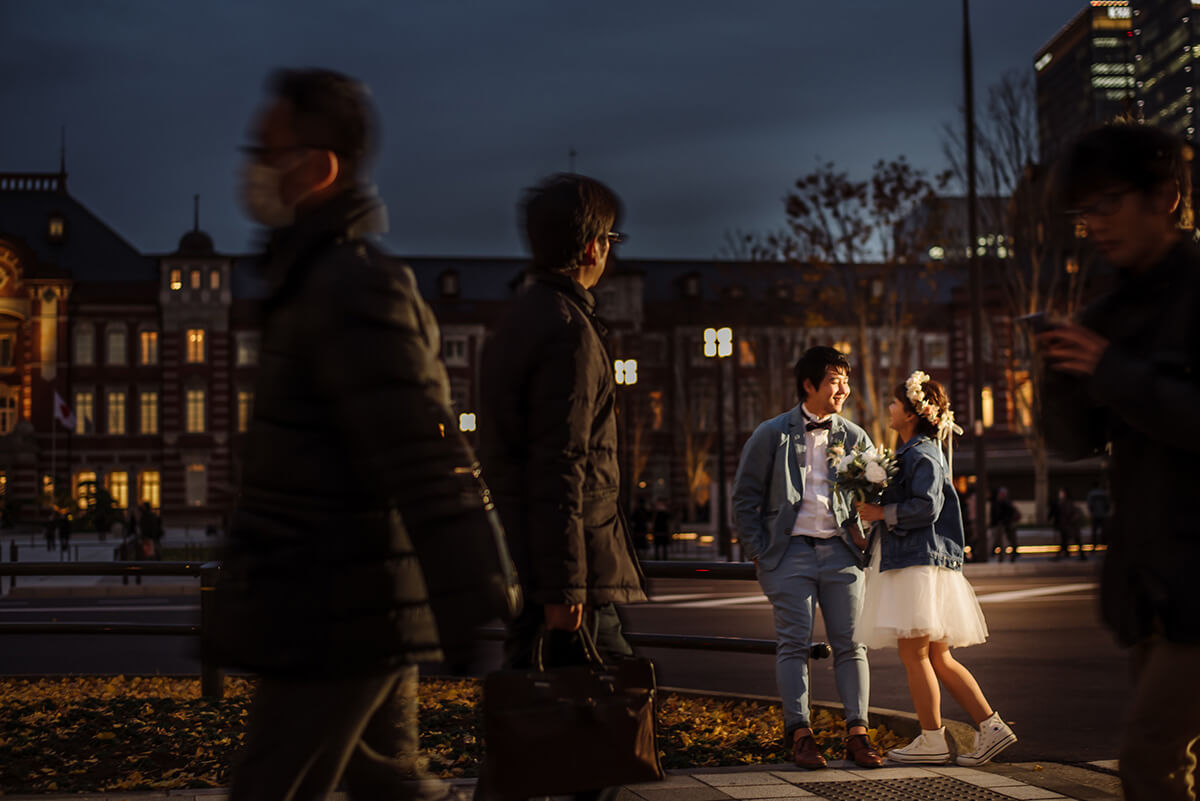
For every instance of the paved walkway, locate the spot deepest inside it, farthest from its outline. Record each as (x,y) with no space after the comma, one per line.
(840,782)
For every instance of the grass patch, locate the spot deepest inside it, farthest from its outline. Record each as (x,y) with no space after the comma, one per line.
(152,733)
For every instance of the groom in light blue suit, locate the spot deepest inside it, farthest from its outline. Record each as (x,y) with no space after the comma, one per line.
(806,542)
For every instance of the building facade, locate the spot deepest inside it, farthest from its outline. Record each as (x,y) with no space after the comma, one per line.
(1085,75)
(155,355)
(1166,34)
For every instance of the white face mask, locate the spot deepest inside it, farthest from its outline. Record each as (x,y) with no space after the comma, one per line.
(260,199)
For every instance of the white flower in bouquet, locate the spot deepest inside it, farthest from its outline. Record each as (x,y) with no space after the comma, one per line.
(845,462)
(875,473)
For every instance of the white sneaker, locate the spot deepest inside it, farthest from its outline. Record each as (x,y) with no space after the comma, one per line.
(993,736)
(929,748)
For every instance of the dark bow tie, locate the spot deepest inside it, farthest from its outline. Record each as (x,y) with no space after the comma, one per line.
(811,426)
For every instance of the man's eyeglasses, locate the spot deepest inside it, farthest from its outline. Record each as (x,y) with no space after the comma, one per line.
(1103,205)
(615,237)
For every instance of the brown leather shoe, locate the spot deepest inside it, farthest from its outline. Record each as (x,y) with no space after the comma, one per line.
(806,754)
(861,752)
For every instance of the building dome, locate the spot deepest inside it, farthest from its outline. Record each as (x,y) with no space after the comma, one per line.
(196,242)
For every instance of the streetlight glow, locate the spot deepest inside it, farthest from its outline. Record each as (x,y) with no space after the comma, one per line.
(625,371)
(466,421)
(718,342)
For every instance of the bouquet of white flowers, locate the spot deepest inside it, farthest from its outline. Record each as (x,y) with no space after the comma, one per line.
(864,472)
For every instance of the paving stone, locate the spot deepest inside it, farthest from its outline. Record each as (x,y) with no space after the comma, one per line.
(779,790)
(701,793)
(800,776)
(990,780)
(732,779)
(1027,792)
(671,780)
(956,772)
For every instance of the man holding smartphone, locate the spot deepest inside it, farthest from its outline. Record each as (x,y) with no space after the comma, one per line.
(1127,376)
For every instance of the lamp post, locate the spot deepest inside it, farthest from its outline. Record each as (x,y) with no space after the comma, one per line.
(625,372)
(718,344)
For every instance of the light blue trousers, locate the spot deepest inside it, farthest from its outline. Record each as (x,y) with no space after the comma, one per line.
(815,572)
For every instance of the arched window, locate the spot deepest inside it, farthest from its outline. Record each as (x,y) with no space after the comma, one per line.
(85,344)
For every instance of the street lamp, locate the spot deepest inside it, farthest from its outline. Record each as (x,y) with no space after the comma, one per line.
(718,344)
(625,373)
(466,422)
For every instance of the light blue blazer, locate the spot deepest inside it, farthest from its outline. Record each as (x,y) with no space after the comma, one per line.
(769,486)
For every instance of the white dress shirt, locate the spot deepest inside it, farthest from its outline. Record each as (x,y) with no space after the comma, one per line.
(815,518)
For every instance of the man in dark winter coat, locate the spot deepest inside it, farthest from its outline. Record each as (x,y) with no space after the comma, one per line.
(549,434)
(1127,376)
(344,566)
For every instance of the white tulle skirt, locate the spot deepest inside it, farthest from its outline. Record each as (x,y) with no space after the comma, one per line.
(918,601)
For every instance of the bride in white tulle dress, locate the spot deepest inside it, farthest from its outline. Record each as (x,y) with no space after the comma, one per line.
(917,599)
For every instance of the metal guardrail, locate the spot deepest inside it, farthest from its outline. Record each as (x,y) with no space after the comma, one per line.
(212,682)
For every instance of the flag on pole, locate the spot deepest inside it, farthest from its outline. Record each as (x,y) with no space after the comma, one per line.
(63,413)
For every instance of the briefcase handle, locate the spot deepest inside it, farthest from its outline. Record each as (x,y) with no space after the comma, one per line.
(589,647)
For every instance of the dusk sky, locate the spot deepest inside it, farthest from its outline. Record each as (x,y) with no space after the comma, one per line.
(700,113)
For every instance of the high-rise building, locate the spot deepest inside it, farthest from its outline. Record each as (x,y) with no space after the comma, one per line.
(1166,35)
(1085,75)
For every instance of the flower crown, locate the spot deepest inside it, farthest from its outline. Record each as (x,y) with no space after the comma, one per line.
(943,422)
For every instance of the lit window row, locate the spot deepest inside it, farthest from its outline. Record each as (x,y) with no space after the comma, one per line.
(195,278)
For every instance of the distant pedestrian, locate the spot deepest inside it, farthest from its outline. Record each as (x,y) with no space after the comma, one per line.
(640,520)
(1099,509)
(358,497)
(1123,379)
(1064,516)
(64,532)
(966,504)
(917,598)
(132,527)
(663,533)
(1004,524)
(51,530)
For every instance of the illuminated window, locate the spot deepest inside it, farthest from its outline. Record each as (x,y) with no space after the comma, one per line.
(747,352)
(57,228)
(989,408)
(85,345)
(937,350)
(195,345)
(843,347)
(116,412)
(214,279)
(150,488)
(8,409)
(85,488)
(149,347)
(176,280)
(245,406)
(148,412)
(454,351)
(118,488)
(194,411)
(448,284)
(196,485)
(656,409)
(247,349)
(48,487)
(195,279)
(1025,403)
(114,350)
(85,413)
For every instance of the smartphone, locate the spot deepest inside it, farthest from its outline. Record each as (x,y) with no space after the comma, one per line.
(1038,322)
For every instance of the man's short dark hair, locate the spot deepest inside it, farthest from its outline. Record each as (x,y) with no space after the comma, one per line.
(330,111)
(815,363)
(1125,155)
(562,215)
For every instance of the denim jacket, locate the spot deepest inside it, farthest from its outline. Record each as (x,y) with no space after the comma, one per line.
(769,486)
(920,508)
